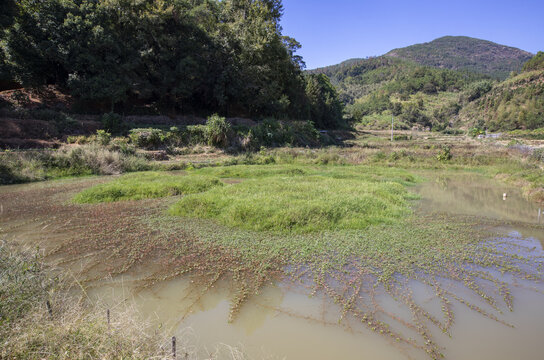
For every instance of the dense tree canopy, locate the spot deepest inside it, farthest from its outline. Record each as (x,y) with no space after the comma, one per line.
(175,55)
(326,109)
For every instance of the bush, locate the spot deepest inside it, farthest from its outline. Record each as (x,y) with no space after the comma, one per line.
(268,132)
(195,134)
(121,144)
(112,123)
(538,155)
(79,139)
(478,89)
(217,131)
(475,131)
(147,138)
(103,137)
(444,154)
(272,133)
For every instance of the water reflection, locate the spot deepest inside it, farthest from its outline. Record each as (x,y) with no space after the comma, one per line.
(267,330)
(470,194)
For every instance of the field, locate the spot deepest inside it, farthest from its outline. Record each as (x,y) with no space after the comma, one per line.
(341,222)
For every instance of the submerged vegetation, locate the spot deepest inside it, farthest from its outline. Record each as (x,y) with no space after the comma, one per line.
(337,222)
(48,316)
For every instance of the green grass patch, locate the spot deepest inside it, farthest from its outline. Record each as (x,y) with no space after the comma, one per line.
(301,199)
(146,185)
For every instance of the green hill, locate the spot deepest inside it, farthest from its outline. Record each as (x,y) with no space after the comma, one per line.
(516,103)
(465,53)
(451,82)
(375,89)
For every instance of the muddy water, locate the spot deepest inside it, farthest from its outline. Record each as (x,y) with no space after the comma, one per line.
(471,194)
(283,322)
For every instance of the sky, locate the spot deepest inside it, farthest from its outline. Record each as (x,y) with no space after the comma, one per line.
(333,31)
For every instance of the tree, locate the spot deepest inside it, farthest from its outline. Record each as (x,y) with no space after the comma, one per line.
(325,107)
(224,56)
(8,10)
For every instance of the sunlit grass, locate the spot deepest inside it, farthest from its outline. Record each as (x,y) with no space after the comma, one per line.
(300,203)
(145,186)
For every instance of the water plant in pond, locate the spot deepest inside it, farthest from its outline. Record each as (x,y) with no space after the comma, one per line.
(351,266)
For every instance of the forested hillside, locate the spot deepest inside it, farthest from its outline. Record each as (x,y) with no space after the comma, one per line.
(377,88)
(516,103)
(436,96)
(169,57)
(466,53)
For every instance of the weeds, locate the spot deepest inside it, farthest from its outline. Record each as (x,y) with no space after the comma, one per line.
(278,199)
(261,226)
(145,186)
(43,316)
(92,159)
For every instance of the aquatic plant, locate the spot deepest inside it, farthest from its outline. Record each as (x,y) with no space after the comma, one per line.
(458,258)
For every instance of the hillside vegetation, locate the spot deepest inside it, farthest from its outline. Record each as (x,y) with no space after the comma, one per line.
(444,85)
(163,57)
(466,53)
(377,88)
(516,103)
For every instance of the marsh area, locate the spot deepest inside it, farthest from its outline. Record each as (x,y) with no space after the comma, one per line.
(461,277)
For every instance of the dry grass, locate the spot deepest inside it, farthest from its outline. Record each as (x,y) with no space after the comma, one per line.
(45,317)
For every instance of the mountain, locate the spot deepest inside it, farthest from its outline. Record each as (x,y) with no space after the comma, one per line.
(447,83)
(374,89)
(466,53)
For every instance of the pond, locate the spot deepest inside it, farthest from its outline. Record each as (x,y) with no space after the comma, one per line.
(283,321)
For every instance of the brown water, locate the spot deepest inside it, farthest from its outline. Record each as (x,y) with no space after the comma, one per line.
(283,322)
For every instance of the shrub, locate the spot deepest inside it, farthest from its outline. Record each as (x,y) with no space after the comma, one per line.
(538,155)
(478,89)
(112,123)
(195,134)
(475,131)
(121,144)
(147,138)
(80,139)
(217,131)
(268,132)
(444,154)
(303,133)
(272,133)
(103,137)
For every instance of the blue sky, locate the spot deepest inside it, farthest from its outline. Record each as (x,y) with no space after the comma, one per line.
(333,31)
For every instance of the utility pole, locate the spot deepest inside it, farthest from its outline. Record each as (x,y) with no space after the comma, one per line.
(392,117)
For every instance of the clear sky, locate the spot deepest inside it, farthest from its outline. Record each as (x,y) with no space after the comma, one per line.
(333,31)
